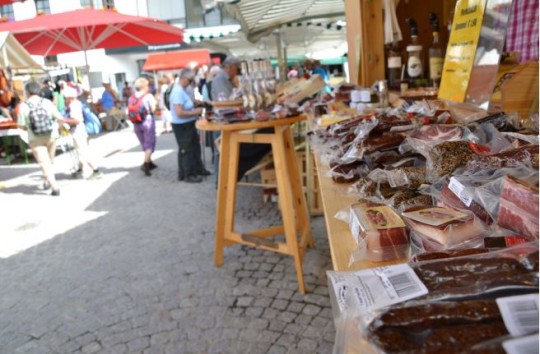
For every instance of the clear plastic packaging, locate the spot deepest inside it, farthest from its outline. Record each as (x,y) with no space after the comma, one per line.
(447,227)
(522,156)
(512,203)
(411,177)
(380,233)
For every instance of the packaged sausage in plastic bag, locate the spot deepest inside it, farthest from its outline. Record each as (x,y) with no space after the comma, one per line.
(411,177)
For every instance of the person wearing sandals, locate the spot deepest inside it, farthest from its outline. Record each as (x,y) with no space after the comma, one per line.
(146,130)
(43,146)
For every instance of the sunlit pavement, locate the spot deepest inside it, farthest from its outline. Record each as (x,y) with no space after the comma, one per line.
(124,264)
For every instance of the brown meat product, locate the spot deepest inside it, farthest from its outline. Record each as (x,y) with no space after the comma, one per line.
(512,218)
(521,195)
(445,226)
(385,235)
(346,173)
(437,132)
(449,199)
(402,196)
(465,271)
(385,191)
(438,314)
(366,188)
(448,254)
(449,156)
(445,340)
(383,142)
(416,202)
(527,155)
(387,122)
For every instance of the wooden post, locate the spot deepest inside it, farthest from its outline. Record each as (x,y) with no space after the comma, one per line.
(365,38)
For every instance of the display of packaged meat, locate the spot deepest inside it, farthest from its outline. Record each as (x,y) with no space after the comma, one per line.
(525,155)
(380,233)
(447,157)
(521,194)
(420,201)
(446,226)
(421,244)
(411,177)
(427,256)
(347,173)
(362,147)
(455,194)
(494,242)
(438,133)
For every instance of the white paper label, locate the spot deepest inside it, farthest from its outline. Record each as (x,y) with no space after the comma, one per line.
(460,191)
(376,287)
(523,345)
(365,96)
(519,313)
(394,62)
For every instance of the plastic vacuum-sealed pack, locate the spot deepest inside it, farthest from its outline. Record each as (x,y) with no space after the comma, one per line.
(380,233)
(512,203)
(444,227)
(422,307)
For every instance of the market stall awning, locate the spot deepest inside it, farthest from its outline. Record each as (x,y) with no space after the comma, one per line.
(14,56)
(259,17)
(177,59)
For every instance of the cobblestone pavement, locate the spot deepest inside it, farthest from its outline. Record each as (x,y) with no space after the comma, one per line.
(124,264)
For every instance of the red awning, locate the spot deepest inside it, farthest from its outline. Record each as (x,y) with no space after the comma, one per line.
(177,60)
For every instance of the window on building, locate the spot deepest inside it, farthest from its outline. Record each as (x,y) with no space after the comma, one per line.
(7,12)
(108,4)
(196,16)
(43,7)
(87,4)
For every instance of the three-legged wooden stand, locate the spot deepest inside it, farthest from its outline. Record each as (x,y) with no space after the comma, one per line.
(292,203)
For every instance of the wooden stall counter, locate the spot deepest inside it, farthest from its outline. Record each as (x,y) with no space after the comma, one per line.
(342,243)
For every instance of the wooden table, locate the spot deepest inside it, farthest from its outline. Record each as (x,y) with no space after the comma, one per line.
(291,196)
(342,243)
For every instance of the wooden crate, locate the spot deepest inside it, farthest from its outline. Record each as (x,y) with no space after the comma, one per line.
(310,183)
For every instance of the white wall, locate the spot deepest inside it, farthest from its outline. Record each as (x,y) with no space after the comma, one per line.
(24,10)
(63,5)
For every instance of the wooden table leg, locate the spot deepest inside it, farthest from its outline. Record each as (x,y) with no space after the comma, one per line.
(221,205)
(286,203)
(299,199)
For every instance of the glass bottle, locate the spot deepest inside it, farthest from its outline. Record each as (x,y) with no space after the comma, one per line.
(436,58)
(415,68)
(394,65)
(252,100)
(245,84)
(257,90)
(270,84)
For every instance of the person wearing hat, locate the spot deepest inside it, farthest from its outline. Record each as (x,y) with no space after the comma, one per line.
(75,119)
(43,146)
(146,130)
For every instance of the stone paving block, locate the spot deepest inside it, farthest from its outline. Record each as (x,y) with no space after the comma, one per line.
(321,290)
(266,267)
(277,325)
(307,344)
(262,283)
(296,307)
(280,304)
(325,347)
(287,316)
(244,301)
(260,275)
(138,344)
(303,319)
(220,346)
(263,301)
(196,346)
(293,328)
(229,333)
(258,324)
(311,310)
(205,322)
(326,312)
(275,276)
(286,340)
(277,349)
(117,349)
(312,332)
(159,339)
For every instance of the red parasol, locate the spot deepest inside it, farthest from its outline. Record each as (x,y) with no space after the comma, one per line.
(81,30)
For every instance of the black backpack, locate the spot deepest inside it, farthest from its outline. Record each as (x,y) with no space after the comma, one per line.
(167,96)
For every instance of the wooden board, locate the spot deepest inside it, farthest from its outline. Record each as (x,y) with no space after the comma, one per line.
(341,241)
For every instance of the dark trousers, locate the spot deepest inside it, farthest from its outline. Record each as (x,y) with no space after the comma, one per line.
(189,149)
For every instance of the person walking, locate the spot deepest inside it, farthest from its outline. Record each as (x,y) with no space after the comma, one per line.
(74,118)
(146,130)
(43,145)
(184,114)
(168,82)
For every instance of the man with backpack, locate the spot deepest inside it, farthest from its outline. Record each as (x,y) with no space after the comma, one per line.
(39,117)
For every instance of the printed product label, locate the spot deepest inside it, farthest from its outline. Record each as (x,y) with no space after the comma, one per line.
(394,62)
(369,289)
(435,216)
(414,67)
(523,345)
(520,313)
(459,190)
(378,218)
(435,68)
(514,240)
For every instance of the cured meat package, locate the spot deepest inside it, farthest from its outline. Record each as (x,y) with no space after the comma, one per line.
(443,226)
(379,231)
(448,305)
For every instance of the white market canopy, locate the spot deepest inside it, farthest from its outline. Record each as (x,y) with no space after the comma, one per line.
(14,56)
(259,18)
